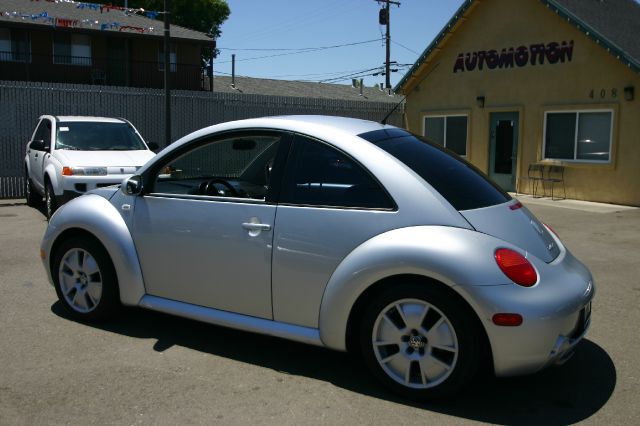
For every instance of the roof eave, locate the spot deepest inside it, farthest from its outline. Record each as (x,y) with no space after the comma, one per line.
(596,36)
(434,44)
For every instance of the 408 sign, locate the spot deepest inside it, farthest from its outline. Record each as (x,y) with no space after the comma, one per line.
(603,93)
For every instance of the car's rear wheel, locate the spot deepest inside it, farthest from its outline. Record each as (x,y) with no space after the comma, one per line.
(85,279)
(50,204)
(30,194)
(420,341)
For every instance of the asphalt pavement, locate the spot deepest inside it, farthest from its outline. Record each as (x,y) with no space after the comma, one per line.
(152,369)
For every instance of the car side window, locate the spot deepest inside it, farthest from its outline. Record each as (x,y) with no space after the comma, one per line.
(43,133)
(238,166)
(320,175)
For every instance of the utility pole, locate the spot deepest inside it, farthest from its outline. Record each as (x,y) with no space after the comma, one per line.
(385,19)
(167,73)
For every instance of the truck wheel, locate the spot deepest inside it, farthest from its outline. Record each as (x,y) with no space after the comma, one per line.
(30,194)
(49,201)
(419,341)
(85,279)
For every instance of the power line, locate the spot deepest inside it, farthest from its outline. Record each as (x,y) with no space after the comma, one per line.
(308,50)
(353,75)
(296,48)
(402,45)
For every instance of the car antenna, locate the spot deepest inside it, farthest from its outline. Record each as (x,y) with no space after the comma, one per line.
(386,117)
(384,120)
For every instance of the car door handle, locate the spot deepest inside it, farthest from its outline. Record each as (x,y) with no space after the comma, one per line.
(256,226)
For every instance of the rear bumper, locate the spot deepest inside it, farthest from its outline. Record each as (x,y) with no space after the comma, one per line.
(556,316)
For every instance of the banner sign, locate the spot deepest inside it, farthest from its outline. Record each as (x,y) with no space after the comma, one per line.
(534,54)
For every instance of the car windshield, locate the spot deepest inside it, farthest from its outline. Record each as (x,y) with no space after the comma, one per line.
(458,181)
(92,136)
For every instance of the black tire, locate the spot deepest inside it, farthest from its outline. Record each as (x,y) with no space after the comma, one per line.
(415,347)
(30,195)
(76,291)
(50,204)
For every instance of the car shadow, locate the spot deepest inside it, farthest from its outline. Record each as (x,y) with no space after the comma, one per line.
(557,395)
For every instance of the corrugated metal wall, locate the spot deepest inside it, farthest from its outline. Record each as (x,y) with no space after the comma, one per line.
(21,103)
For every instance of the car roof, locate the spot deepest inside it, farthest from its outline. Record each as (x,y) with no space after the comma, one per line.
(76,118)
(316,125)
(354,126)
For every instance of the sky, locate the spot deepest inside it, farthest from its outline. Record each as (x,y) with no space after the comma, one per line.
(317,26)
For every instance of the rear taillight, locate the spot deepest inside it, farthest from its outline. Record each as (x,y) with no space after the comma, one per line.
(516,267)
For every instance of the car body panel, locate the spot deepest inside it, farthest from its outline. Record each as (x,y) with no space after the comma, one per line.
(550,311)
(229,267)
(96,215)
(34,159)
(110,159)
(516,224)
(230,319)
(453,256)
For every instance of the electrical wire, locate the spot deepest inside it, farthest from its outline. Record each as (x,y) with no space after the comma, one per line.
(405,47)
(315,49)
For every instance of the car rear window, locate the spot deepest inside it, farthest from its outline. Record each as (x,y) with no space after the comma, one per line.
(97,136)
(458,181)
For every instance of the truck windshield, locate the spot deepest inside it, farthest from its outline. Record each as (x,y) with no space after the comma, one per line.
(92,136)
(458,181)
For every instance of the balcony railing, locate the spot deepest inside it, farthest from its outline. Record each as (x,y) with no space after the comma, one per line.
(19,66)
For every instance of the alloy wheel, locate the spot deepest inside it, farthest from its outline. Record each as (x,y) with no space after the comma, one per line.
(80,280)
(415,344)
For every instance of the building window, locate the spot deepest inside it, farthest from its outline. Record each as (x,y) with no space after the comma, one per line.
(172,59)
(14,46)
(578,136)
(71,49)
(449,131)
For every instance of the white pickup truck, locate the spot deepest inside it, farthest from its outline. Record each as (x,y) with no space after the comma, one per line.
(69,155)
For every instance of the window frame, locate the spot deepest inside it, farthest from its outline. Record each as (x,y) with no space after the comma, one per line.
(89,59)
(45,126)
(577,113)
(14,53)
(288,178)
(173,65)
(273,192)
(446,116)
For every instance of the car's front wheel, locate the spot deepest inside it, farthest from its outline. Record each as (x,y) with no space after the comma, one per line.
(30,194)
(50,204)
(420,341)
(85,279)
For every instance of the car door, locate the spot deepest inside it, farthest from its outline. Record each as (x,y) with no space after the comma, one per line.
(36,151)
(328,206)
(204,227)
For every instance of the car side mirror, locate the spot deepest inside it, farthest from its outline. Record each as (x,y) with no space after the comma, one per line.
(153,147)
(132,185)
(37,144)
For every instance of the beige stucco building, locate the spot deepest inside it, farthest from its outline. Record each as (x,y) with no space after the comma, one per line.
(514,83)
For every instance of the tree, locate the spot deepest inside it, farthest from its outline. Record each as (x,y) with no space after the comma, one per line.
(205,16)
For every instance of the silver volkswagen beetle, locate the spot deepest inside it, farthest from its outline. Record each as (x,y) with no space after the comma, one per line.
(336,232)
